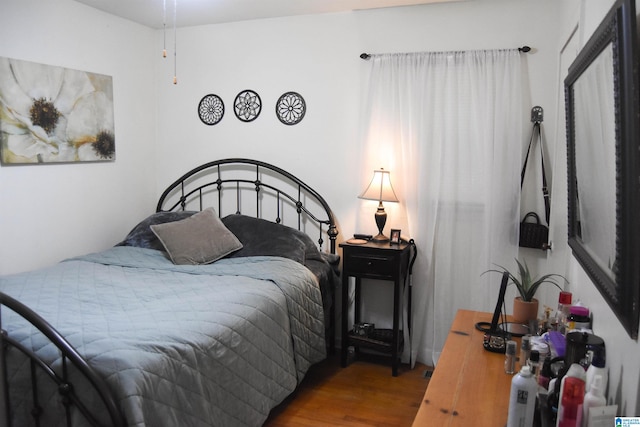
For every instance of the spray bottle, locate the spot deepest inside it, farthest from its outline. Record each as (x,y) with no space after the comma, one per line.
(522,400)
(597,367)
(571,397)
(593,399)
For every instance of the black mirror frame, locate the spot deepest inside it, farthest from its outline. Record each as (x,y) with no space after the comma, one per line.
(622,294)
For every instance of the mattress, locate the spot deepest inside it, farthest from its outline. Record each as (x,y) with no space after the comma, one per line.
(217,344)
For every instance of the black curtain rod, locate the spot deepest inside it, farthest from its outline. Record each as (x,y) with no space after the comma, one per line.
(523,49)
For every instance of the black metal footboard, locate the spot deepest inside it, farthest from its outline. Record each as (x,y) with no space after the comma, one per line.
(75,402)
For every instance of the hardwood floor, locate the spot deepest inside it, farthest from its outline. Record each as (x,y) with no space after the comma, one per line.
(363,394)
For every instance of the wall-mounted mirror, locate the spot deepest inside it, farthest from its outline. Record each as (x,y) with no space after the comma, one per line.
(603,147)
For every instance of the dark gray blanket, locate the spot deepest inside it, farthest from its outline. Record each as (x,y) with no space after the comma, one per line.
(219,344)
(259,237)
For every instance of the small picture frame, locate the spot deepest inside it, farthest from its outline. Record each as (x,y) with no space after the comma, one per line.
(395,237)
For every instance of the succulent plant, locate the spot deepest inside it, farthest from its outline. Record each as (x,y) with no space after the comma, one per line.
(528,286)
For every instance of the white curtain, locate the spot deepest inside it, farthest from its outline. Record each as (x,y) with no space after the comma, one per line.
(449,127)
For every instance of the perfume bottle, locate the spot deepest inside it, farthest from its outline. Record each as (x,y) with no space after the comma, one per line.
(525,349)
(564,305)
(510,357)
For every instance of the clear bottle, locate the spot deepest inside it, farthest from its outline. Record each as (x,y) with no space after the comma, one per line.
(510,357)
(564,305)
(522,399)
(525,349)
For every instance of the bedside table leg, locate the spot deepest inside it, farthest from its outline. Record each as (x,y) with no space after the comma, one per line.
(344,348)
(396,328)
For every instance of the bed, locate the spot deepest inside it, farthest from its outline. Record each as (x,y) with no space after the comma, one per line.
(209,312)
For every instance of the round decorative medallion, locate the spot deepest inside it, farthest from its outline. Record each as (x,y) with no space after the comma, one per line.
(290,108)
(247,105)
(211,109)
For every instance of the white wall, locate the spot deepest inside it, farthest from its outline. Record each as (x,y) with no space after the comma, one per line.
(51,212)
(58,211)
(313,56)
(318,56)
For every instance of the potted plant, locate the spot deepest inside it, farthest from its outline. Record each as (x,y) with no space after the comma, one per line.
(525,306)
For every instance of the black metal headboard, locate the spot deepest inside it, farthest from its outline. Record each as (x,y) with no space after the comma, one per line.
(253,184)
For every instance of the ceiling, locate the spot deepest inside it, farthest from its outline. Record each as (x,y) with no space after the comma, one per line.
(200,12)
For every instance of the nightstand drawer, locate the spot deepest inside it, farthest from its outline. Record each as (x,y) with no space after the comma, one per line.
(376,265)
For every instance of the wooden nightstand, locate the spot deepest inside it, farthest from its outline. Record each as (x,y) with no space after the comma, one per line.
(380,261)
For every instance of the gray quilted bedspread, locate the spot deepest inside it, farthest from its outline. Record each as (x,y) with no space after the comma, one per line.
(219,344)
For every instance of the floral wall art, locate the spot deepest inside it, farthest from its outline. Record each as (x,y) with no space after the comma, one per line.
(52,114)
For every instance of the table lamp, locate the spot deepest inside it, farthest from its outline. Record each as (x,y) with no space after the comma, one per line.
(380,189)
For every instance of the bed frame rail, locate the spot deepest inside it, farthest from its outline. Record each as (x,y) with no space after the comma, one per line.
(69,357)
(214,176)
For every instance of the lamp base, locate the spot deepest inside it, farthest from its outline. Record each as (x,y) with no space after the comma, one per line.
(380,238)
(381,219)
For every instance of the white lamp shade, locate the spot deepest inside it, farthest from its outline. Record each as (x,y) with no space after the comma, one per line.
(380,188)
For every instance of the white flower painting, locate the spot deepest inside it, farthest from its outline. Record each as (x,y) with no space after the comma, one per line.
(51,114)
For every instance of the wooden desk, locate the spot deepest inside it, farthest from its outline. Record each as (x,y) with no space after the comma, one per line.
(469,386)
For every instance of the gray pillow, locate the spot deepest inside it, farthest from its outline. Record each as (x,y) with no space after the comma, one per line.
(199,239)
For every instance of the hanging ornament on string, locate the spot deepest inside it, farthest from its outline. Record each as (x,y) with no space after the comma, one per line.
(164,29)
(175,42)
(175,37)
